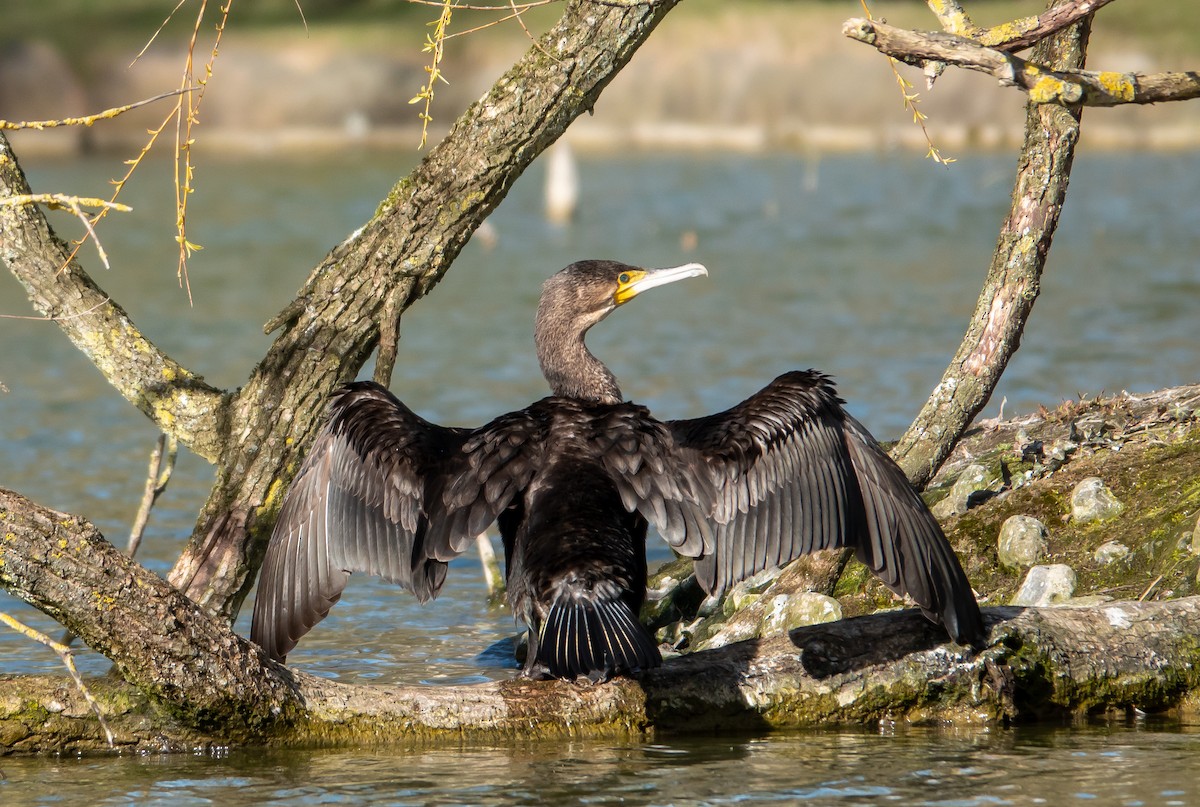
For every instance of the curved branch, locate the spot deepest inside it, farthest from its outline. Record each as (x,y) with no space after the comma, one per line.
(1044,85)
(179,402)
(1013,279)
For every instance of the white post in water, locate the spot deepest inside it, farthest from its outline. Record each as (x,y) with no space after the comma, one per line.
(562,184)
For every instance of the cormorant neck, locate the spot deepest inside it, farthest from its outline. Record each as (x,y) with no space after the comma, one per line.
(569,367)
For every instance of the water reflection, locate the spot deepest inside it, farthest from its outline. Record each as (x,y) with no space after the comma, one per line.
(1111,765)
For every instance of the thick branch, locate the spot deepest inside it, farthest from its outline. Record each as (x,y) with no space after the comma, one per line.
(1013,279)
(188,663)
(181,403)
(1045,85)
(393,260)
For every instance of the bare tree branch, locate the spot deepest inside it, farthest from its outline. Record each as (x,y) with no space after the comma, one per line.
(1013,279)
(178,401)
(1044,85)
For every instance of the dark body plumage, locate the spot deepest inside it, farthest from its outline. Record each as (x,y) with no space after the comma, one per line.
(573,480)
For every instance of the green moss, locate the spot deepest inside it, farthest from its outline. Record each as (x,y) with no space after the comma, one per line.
(1160,488)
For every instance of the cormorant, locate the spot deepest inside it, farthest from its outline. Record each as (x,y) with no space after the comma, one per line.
(573,480)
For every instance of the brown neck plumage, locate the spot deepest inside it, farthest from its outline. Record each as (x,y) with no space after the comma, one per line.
(569,367)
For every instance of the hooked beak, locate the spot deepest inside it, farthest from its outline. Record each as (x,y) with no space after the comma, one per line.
(635,281)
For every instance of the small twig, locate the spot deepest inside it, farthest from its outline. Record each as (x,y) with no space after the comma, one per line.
(68,659)
(157,477)
(911,99)
(1150,588)
(49,318)
(61,201)
(436,45)
(87,120)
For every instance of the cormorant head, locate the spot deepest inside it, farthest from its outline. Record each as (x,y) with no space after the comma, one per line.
(576,298)
(591,290)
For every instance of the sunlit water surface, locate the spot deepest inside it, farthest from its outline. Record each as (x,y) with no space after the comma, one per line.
(1126,766)
(866,266)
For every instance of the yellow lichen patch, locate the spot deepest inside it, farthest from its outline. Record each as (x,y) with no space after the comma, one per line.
(272,501)
(168,372)
(1050,90)
(1117,85)
(1007,31)
(953,16)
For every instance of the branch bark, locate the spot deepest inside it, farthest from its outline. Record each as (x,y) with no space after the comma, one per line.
(1045,85)
(1019,33)
(191,682)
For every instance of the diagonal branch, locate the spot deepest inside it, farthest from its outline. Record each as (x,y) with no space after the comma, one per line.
(1014,276)
(179,402)
(396,258)
(1044,85)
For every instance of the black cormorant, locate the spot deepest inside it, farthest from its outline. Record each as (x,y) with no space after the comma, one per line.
(573,480)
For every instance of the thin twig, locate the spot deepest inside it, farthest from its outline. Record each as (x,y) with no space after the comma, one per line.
(51,318)
(435,45)
(68,659)
(911,99)
(87,120)
(157,477)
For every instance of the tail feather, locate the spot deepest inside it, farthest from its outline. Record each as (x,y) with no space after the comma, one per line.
(593,638)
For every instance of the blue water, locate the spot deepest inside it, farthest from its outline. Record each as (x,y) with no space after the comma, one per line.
(870,273)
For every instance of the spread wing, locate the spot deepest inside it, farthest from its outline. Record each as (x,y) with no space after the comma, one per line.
(792,473)
(384,492)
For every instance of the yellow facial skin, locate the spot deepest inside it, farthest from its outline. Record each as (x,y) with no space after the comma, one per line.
(633,282)
(626,285)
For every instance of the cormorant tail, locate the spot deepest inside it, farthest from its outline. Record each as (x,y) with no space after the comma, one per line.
(597,638)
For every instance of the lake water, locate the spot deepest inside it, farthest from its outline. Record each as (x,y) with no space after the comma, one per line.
(866,266)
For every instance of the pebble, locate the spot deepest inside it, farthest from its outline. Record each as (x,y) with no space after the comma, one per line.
(1022,542)
(1046,585)
(794,611)
(972,485)
(1093,501)
(1108,552)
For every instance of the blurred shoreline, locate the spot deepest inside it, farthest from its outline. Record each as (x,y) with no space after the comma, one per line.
(795,85)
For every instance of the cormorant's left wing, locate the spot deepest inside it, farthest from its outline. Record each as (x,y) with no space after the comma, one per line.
(793,473)
(783,484)
(384,492)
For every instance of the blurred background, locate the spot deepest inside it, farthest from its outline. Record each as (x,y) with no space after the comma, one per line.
(760,74)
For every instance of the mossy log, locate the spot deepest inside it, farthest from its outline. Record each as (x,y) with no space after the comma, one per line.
(191,682)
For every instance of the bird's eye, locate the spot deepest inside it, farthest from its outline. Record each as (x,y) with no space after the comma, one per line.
(624,278)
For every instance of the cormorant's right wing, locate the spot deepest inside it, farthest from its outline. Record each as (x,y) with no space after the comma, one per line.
(370,497)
